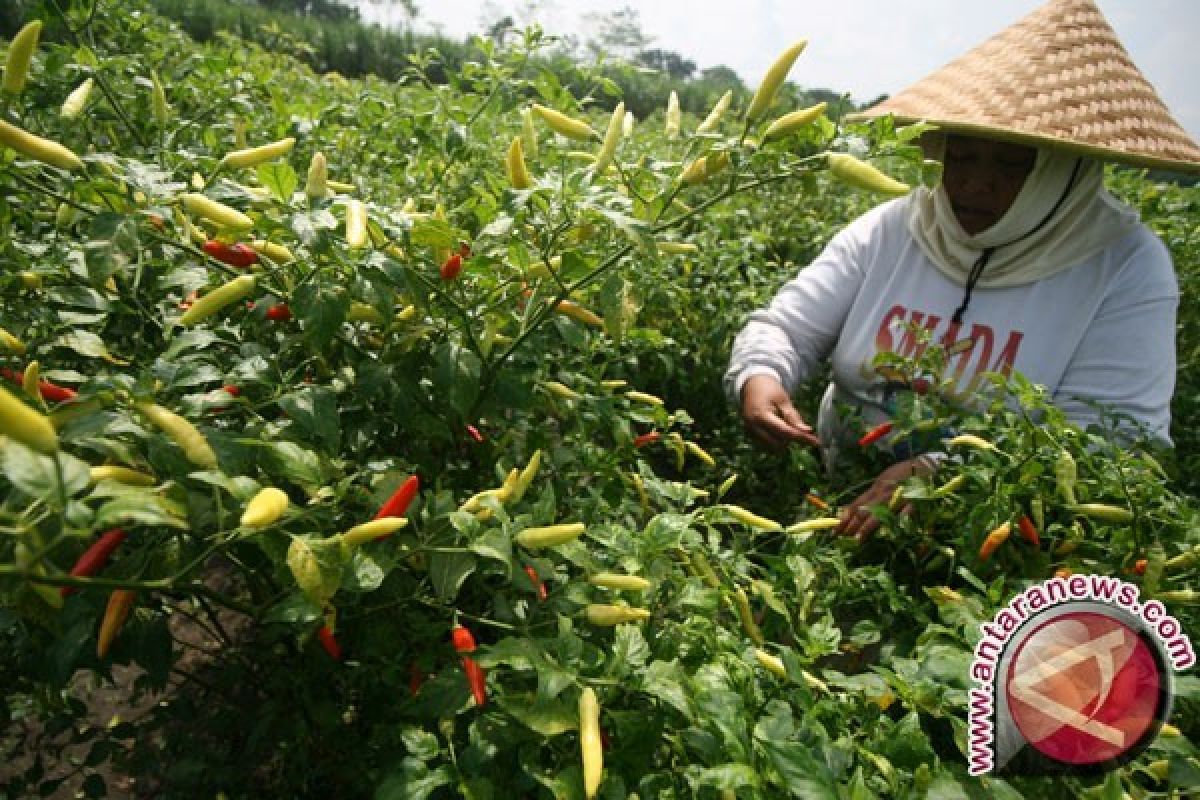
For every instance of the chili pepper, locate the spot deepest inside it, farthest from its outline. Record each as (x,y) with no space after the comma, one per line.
(195,447)
(125,475)
(279,313)
(253,156)
(627,583)
(76,101)
(11,343)
(1181,596)
(741,604)
(862,175)
(398,503)
(875,434)
(356,224)
(560,390)
(816,502)
(265,508)
(678,248)
(219,213)
(646,438)
(673,116)
(276,252)
(120,603)
(373,531)
(316,186)
(704,168)
(792,122)
(158,100)
(714,117)
(1065,475)
(726,485)
(970,440)
(1063,572)
(700,453)
(474,433)
(590,745)
(774,79)
(642,397)
(1139,566)
(451,267)
(50,392)
(46,151)
(220,297)
(943,594)
(415,678)
(579,313)
(95,557)
(539,586)
(329,642)
(1029,531)
(993,540)
(1037,508)
(26,425)
(514,164)
(29,380)
(1102,512)
(609,615)
(612,138)
(1184,560)
(20,56)
(750,519)
(566,126)
(464,642)
(526,476)
(771,663)
(235,255)
(550,535)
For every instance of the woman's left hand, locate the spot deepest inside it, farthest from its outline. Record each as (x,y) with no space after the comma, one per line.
(857,520)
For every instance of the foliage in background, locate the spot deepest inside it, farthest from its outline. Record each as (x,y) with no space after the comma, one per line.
(379,373)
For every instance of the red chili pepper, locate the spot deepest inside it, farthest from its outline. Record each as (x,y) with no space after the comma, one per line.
(50,392)
(537,582)
(235,255)
(475,679)
(816,502)
(646,438)
(875,434)
(463,639)
(325,636)
(232,389)
(475,434)
(415,679)
(398,503)
(279,313)
(1139,567)
(1029,531)
(451,267)
(95,557)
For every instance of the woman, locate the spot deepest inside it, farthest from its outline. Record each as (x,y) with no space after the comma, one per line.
(1018,260)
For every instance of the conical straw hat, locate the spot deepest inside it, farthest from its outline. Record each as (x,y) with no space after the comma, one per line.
(1057,77)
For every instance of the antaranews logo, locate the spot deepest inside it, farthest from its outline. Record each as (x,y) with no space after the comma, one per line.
(1074,675)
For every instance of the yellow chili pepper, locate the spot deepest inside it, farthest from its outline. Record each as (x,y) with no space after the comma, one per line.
(776,74)
(46,151)
(551,535)
(253,156)
(590,745)
(195,447)
(20,56)
(566,126)
(265,508)
(789,123)
(862,175)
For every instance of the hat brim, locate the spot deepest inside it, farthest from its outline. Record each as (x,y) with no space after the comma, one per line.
(1015,136)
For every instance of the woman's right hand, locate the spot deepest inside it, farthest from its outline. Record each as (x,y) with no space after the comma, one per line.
(769,415)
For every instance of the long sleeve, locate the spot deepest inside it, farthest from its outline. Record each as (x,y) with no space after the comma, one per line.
(1126,358)
(803,321)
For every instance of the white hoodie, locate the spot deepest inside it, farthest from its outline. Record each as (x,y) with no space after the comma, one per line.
(1102,331)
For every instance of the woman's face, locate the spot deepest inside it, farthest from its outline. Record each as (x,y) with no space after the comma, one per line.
(982,179)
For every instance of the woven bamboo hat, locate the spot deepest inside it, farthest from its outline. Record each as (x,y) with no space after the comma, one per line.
(1057,77)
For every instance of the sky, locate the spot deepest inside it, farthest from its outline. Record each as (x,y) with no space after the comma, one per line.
(864,47)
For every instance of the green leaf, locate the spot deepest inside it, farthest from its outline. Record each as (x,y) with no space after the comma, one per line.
(629,649)
(946,787)
(420,743)
(548,717)
(363,574)
(295,609)
(35,474)
(413,781)
(296,464)
(448,571)
(434,233)
(803,774)
(147,508)
(280,178)
(314,416)
(725,776)
(456,376)
(494,544)
(665,681)
(309,226)
(87,344)
(323,310)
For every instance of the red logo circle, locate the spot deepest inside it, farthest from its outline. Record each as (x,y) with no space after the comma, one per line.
(1084,688)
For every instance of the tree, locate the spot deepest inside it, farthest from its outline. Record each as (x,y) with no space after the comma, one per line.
(618,33)
(673,64)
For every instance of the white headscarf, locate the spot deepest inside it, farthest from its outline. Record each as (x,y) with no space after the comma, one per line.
(1087,220)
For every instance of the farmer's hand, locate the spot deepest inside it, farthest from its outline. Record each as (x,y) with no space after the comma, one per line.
(769,415)
(857,519)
